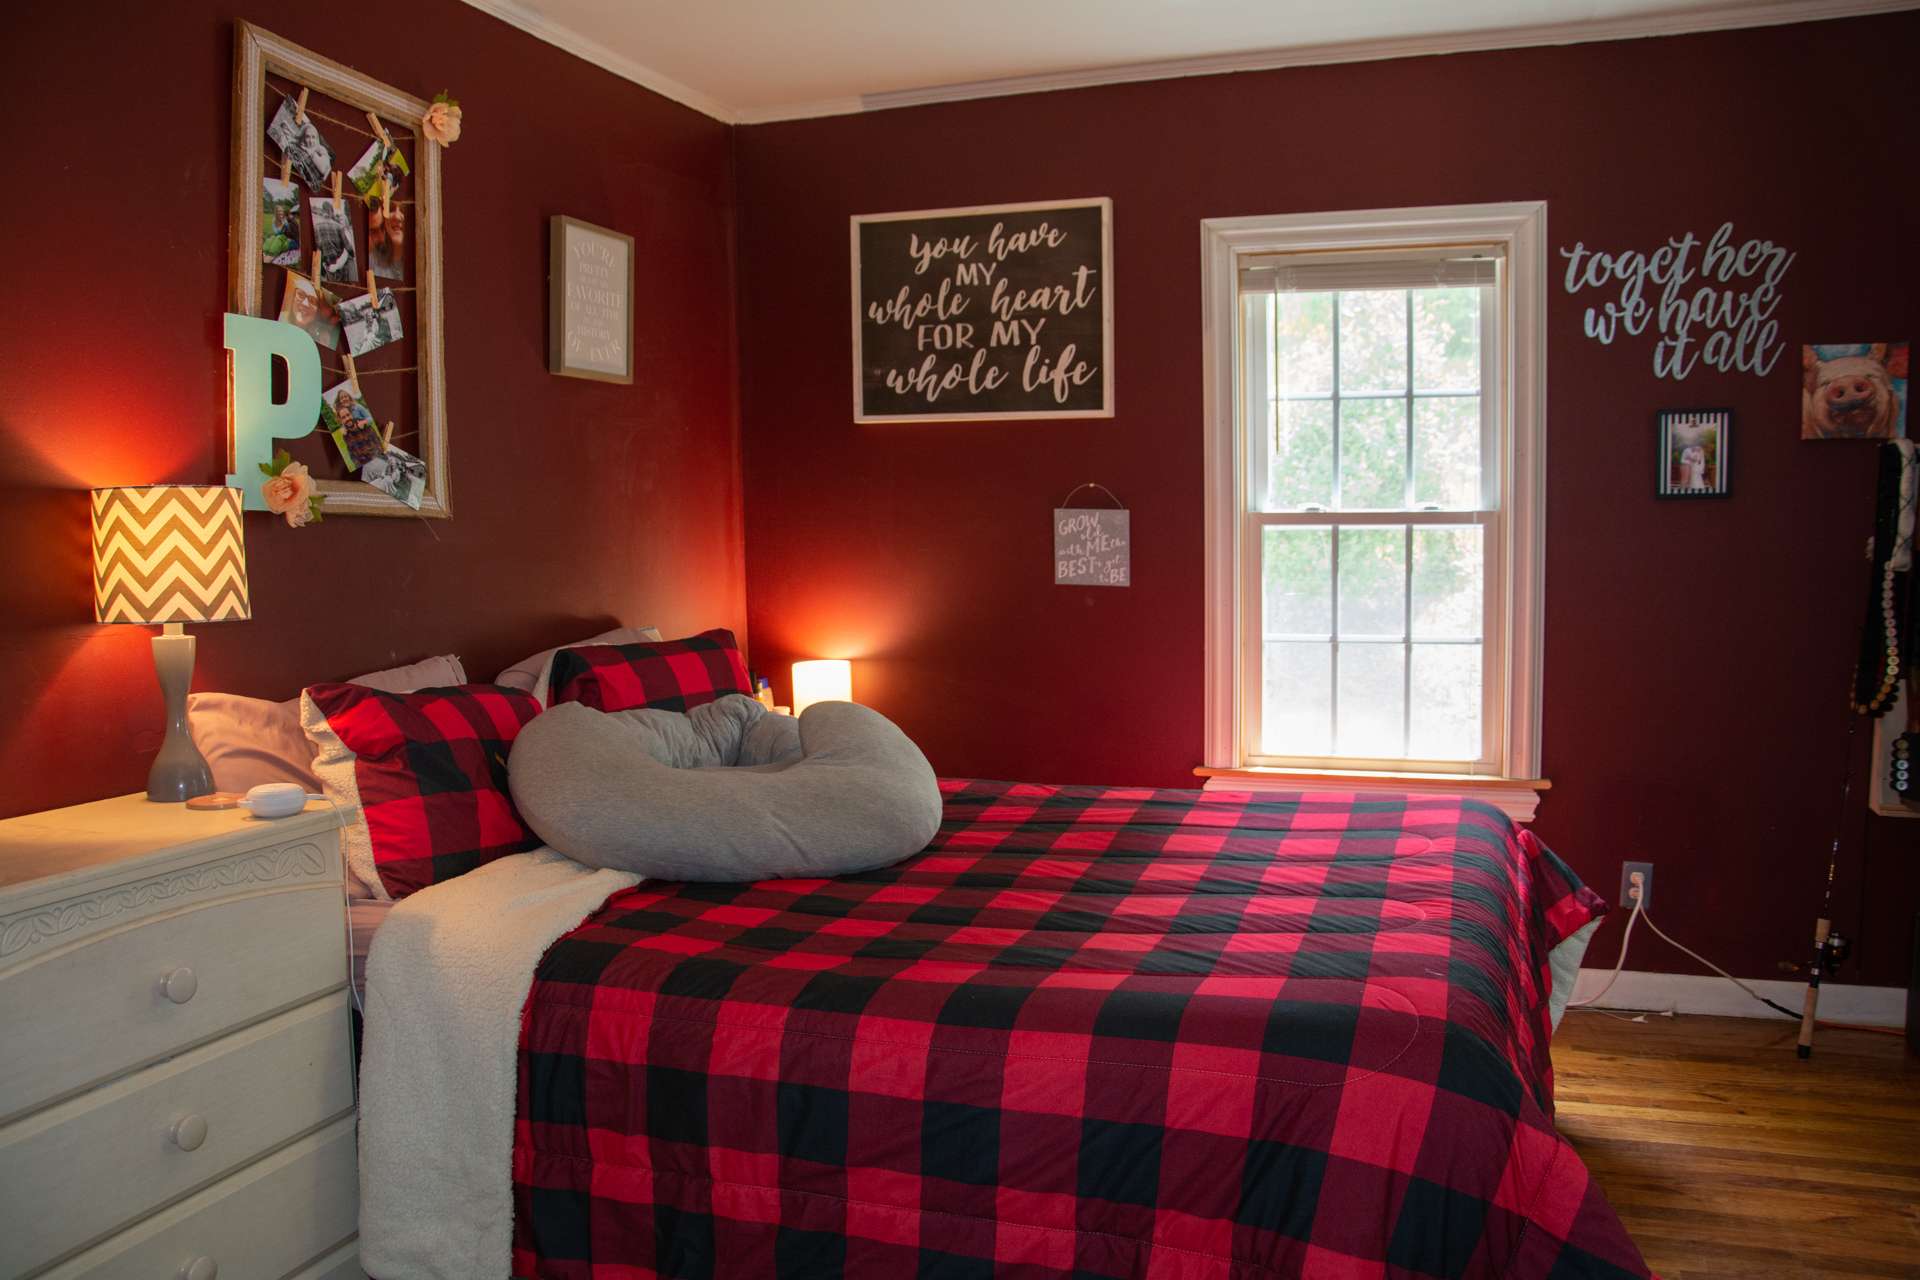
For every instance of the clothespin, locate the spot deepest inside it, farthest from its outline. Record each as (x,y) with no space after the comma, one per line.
(353,374)
(386,440)
(373,290)
(386,198)
(336,186)
(300,106)
(379,130)
(316,268)
(286,167)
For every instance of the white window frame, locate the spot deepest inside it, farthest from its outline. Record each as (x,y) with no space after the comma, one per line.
(1519,231)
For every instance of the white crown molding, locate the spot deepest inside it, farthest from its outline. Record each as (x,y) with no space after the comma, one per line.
(1763,13)
(601,56)
(849,106)
(1757,13)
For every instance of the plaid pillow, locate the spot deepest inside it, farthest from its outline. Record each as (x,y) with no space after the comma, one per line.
(674,675)
(424,775)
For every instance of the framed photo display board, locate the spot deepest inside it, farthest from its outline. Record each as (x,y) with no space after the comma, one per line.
(982,313)
(589,301)
(403,381)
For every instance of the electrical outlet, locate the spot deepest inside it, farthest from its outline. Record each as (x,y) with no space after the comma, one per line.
(1627,870)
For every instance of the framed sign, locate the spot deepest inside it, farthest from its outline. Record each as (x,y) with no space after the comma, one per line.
(990,312)
(589,301)
(1092,547)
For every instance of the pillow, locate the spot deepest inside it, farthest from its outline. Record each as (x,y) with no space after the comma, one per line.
(673,675)
(424,776)
(840,791)
(533,674)
(248,741)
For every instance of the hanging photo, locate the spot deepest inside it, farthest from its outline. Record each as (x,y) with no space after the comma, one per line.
(387,240)
(1695,453)
(312,307)
(309,153)
(333,237)
(371,325)
(379,170)
(399,473)
(344,414)
(279,222)
(1853,391)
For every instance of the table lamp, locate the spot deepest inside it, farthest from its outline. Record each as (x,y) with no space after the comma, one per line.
(821,680)
(169,554)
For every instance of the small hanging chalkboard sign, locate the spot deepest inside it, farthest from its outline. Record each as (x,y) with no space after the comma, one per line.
(996,311)
(1092,546)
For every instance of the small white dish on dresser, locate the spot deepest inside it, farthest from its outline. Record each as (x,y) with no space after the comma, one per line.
(176,1088)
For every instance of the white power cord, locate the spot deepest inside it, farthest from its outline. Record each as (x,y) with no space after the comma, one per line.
(1635,881)
(1662,933)
(1633,891)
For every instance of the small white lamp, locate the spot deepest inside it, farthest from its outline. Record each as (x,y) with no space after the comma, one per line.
(168,554)
(821,680)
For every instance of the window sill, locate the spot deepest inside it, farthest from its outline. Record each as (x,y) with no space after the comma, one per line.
(1519,798)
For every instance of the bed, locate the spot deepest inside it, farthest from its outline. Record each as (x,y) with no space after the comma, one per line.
(1089,1032)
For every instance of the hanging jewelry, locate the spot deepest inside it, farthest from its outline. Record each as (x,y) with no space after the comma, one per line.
(1885,682)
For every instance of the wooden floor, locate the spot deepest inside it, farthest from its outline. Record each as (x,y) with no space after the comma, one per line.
(1728,1156)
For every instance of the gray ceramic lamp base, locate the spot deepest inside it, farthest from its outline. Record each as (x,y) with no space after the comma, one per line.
(179,772)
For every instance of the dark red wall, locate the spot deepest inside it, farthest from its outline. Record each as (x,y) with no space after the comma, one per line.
(574,501)
(1697,653)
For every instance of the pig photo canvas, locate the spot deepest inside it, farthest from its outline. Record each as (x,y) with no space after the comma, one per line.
(1853,391)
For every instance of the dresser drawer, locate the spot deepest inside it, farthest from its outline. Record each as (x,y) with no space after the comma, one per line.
(260,1224)
(341,1264)
(73,1173)
(87,1013)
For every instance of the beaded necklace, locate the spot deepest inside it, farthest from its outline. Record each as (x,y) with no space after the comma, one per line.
(1885,664)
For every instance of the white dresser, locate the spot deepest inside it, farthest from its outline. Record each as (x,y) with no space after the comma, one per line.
(176,1078)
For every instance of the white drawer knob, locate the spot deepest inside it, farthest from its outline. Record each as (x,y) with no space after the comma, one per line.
(200,1268)
(188,1132)
(180,985)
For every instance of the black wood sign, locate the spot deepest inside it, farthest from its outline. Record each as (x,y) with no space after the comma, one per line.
(1004,311)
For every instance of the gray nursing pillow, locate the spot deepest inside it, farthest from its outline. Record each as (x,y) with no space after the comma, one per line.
(725,792)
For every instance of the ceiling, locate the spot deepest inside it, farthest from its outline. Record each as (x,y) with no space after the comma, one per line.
(746,61)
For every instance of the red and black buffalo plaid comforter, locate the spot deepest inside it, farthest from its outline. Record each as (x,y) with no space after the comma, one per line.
(1088,1032)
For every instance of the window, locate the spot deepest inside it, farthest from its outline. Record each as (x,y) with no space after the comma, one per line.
(1374,472)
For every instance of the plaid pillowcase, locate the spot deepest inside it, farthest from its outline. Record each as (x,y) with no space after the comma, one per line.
(673,675)
(424,774)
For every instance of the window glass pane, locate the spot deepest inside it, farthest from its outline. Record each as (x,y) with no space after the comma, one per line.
(1300,471)
(1447,571)
(1296,569)
(1372,700)
(1373,581)
(1446,452)
(1306,344)
(1445,724)
(1297,710)
(1446,339)
(1373,455)
(1373,341)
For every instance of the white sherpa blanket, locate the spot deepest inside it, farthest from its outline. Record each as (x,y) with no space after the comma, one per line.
(446,982)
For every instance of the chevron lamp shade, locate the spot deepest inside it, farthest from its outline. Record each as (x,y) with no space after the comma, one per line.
(169,553)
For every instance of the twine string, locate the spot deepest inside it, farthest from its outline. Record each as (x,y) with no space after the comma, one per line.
(1092,484)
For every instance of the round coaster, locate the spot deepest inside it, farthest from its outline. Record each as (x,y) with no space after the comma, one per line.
(216,800)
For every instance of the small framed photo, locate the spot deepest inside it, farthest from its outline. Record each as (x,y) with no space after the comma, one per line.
(589,301)
(1696,453)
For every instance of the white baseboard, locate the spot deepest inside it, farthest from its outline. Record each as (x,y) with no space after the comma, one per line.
(1695,993)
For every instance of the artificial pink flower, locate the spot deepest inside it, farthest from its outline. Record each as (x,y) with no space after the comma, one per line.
(288,494)
(442,122)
